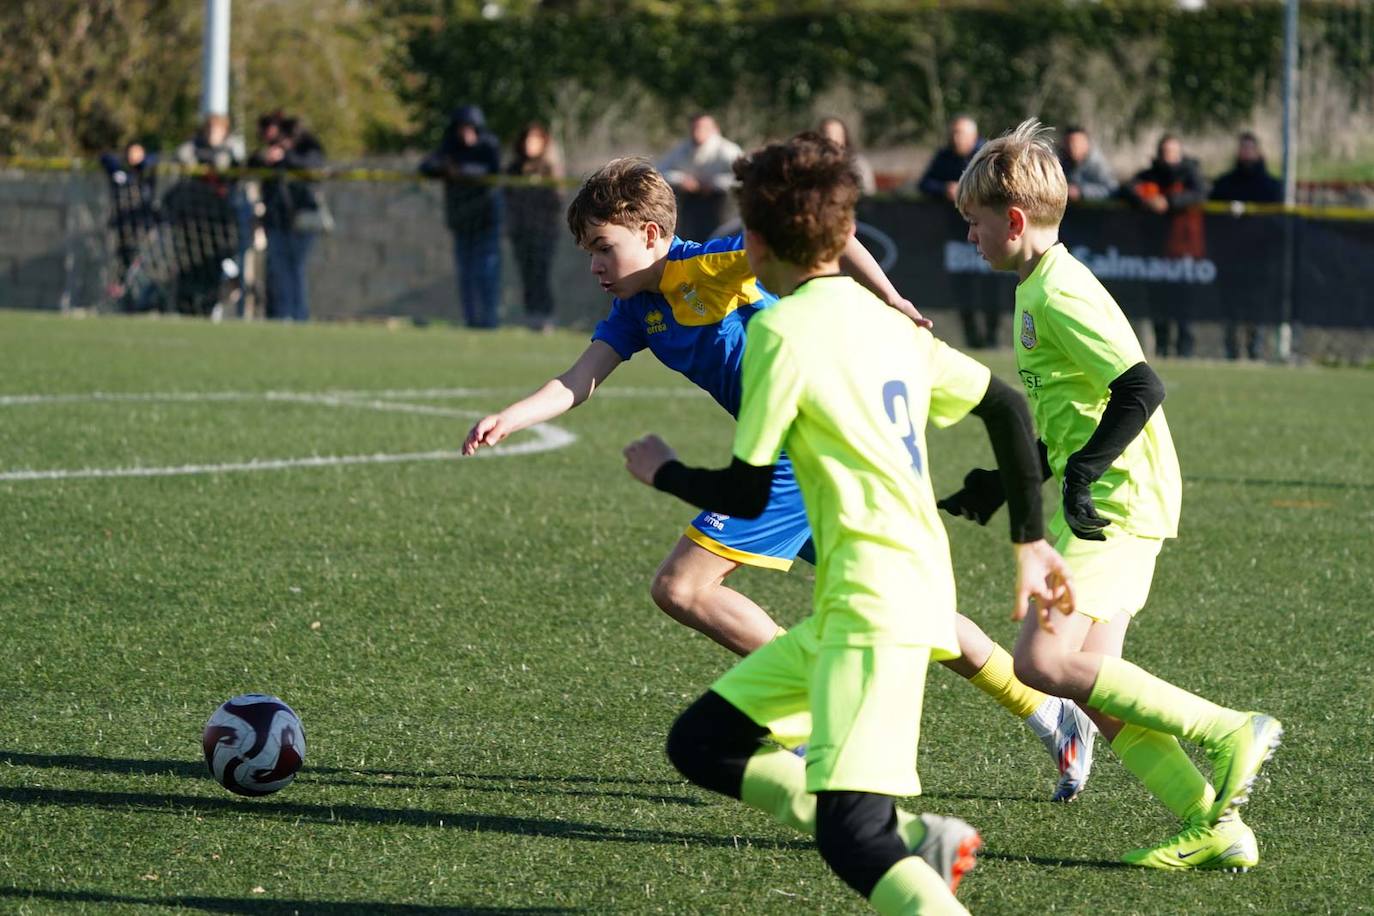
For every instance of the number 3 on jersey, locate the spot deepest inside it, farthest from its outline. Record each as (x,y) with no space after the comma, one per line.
(899,412)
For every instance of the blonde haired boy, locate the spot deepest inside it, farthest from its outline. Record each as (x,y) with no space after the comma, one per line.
(1097,408)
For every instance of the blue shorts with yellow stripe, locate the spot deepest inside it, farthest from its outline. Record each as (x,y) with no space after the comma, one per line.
(773,540)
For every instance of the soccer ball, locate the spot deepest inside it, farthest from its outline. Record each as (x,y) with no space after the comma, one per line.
(254,744)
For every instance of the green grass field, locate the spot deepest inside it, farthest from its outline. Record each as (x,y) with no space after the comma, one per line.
(483,679)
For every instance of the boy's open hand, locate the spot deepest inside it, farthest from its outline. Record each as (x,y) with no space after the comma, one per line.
(487,431)
(1042,576)
(645,456)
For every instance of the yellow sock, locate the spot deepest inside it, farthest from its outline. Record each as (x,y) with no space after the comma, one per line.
(997,679)
(775,783)
(1136,696)
(1165,769)
(912,886)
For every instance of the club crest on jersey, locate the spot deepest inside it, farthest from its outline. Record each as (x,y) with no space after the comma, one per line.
(1028,338)
(653,322)
(689,295)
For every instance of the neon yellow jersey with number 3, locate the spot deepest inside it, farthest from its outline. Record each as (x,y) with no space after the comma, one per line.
(846,385)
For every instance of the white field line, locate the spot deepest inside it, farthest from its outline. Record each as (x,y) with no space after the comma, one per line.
(545,437)
(19,400)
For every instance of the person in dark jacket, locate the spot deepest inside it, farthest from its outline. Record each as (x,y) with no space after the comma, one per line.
(1174,188)
(535,219)
(133,210)
(1249,182)
(978,312)
(467,158)
(1089,176)
(290,209)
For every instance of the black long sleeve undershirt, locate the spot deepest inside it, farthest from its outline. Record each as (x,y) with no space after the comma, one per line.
(1004,412)
(1135,395)
(740,490)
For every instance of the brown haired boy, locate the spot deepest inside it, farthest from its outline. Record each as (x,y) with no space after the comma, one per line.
(847,386)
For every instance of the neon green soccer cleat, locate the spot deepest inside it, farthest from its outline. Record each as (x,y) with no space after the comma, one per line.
(1237,758)
(1227,845)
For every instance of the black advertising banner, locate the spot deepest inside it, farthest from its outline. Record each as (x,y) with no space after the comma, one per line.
(1221,267)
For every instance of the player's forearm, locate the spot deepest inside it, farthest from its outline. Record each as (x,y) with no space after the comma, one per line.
(862,266)
(1135,395)
(740,490)
(1004,412)
(553,399)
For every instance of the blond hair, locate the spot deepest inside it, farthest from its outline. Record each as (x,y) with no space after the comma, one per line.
(625,192)
(1019,169)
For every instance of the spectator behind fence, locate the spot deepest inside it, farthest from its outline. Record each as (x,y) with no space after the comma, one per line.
(1248,182)
(941,177)
(939,182)
(1174,188)
(535,219)
(133,210)
(204,214)
(468,158)
(699,169)
(291,212)
(837,132)
(1089,176)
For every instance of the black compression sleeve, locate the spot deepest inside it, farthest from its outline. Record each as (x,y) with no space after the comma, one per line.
(740,490)
(1135,395)
(1004,412)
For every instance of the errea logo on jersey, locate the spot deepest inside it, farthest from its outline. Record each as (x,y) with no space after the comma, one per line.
(653,322)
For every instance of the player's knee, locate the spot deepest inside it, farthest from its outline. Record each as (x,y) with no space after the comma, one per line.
(674,594)
(711,743)
(856,834)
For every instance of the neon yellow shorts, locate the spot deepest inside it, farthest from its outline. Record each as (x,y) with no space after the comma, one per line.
(864,703)
(1110,577)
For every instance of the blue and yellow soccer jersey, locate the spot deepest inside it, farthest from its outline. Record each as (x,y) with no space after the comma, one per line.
(848,385)
(694,322)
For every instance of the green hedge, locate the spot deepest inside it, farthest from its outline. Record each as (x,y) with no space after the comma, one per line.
(908,71)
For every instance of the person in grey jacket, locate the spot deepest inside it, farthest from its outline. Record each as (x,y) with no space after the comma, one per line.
(1089,176)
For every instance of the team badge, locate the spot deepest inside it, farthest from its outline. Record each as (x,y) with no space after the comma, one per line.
(689,295)
(1028,338)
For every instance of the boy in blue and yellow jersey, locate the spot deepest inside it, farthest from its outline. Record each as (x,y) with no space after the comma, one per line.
(847,386)
(1097,407)
(689,304)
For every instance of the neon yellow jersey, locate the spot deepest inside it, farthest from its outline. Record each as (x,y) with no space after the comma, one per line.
(1072,342)
(846,385)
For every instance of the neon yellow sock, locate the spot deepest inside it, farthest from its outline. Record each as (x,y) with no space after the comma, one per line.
(997,679)
(1161,764)
(912,886)
(775,783)
(1136,696)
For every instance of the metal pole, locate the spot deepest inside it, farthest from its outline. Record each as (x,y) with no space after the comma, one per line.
(214,95)
(1284,343)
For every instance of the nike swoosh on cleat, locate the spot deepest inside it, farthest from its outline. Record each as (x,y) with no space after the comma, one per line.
(1188,855)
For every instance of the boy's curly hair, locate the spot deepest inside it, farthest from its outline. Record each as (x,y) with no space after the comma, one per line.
(799,196)
(625,192)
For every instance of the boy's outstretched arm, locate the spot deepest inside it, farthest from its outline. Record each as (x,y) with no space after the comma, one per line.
(740,490)
(862,266)
(557,396)
(1041,572)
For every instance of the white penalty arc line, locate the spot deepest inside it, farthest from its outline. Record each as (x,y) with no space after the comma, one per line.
(340,396)
(547,438)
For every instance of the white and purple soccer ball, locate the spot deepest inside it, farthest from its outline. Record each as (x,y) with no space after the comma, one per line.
(254,744)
